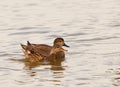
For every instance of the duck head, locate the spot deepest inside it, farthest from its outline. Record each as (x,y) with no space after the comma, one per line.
(57,46)
(59,42)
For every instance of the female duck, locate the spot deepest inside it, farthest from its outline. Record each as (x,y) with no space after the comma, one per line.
(39,52)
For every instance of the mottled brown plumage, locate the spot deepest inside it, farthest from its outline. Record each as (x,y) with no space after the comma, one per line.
(38,52)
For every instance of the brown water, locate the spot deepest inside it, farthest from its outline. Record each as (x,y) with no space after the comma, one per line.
(90,27)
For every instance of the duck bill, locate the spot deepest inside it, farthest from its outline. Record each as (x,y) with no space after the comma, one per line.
(65,45)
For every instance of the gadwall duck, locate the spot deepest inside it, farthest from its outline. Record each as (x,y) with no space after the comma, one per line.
(39,52)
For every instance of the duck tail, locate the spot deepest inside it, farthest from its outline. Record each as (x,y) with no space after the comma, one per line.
(28,43)
(23,46)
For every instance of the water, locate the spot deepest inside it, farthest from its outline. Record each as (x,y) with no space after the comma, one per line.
(90,27)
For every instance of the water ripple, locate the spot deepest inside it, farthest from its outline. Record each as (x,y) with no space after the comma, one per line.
(28,33)
(98,39)
(4,68)
(27,28)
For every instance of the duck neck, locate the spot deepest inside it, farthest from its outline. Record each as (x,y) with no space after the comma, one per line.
(55,47)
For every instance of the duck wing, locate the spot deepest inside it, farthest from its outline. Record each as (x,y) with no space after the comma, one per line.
(42,49)
(38,49)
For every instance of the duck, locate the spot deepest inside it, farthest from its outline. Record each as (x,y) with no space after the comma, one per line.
(40,52)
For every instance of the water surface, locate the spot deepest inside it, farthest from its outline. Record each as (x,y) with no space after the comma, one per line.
(90,27)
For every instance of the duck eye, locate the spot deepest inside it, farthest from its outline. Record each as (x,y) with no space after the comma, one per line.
(60,41)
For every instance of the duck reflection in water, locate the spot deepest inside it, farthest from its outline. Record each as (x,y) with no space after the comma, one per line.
(55,65)
(38,54)
(116,81)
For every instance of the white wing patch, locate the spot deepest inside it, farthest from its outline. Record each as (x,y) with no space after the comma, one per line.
(28,52)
